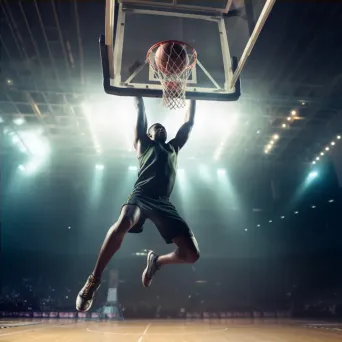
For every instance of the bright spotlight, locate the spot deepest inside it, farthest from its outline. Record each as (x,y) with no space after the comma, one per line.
(327,148)
(246,230)
(313,174)
(331,201)
(258,225)
(15,139)
(21,168)
(270,221)
(283,125)
(132,168)
(314,162)
(33,165)
(317,158)
(23,149)
(18,121)
(333,143)
(322,153)
(289,118)
(339,137)
(296,212)
(276,137)
(36,143)
(282,217)
(313,207)
(221,171)
(293,113)
(99,166)
(271,142)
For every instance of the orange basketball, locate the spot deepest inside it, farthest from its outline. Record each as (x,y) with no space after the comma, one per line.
(171,58)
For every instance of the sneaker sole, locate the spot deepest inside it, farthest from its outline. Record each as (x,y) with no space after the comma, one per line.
(79,309)
(146,269)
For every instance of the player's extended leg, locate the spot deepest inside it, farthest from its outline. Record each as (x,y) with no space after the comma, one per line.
(187,252)
(129,216)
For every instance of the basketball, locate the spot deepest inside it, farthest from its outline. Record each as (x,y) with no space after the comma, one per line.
(171,58)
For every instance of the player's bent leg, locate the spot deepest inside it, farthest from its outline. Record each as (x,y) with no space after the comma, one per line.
(129,216)
(187,252)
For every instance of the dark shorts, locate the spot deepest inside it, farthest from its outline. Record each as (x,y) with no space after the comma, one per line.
(162,213)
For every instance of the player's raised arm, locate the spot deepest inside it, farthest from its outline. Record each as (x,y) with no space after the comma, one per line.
(183,133)
(140,132)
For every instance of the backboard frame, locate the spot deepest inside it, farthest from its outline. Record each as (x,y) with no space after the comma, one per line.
(111,47)
(175,4)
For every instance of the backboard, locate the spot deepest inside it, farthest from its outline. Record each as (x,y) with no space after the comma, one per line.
(133,26)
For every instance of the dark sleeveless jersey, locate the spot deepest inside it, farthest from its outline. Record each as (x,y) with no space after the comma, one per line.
(157,173)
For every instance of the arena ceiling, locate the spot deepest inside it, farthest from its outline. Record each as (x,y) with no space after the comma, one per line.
(51,85)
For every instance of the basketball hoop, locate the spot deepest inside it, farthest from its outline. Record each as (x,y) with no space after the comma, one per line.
(172,62)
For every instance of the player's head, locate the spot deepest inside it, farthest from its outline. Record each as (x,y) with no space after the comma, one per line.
(157,132)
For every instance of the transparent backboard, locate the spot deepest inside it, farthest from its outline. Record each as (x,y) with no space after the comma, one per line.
(133,26)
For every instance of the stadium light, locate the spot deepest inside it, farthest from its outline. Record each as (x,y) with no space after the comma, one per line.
(99,166)
(313,174)
(221,171)
(18,121)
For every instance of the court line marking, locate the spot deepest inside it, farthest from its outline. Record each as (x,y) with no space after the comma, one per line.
(144,333)
(30,330)
(157,334)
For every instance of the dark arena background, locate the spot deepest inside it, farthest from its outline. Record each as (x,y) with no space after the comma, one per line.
(259,181)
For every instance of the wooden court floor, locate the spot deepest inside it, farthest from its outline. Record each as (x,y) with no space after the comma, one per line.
(169,331)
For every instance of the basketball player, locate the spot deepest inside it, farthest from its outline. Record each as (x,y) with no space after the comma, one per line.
(149,200)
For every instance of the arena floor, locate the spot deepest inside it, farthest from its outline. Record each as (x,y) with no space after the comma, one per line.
(170,331)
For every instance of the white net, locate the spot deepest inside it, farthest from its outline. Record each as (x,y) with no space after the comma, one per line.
(172,63)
